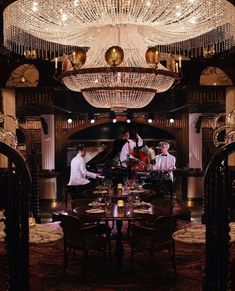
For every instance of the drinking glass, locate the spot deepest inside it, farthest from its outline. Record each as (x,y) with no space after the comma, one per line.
(95,203)
(137,198)
(108,201)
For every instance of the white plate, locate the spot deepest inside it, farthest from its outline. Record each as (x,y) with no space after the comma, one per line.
(95,211)
(138,191)
(100,191)
(141,211)
(99,204)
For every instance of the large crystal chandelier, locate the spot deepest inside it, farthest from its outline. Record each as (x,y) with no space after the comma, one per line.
(51,28)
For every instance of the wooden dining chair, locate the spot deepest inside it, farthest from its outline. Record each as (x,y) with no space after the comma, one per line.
(104,226)
(154,239)
(85,239)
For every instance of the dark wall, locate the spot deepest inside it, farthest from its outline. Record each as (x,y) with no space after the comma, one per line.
(111,131)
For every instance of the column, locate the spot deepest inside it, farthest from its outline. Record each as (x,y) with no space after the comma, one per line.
(230,105)
(47,182)
(47,142)
(195,180)
(195,141)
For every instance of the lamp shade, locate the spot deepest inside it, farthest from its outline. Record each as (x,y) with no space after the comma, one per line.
(114,56)
(79,57)
(152,56)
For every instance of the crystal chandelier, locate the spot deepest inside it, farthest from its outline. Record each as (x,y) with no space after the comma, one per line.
(51,28)
(119,88)
(54,25)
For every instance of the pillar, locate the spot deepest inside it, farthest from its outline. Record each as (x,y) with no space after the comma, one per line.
(195,141)
(47,142)
(195,180)
(48,181)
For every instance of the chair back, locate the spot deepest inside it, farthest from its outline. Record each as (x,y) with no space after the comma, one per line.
(165,205)
(80,202)
(164,227)
(71,226)
(79,235)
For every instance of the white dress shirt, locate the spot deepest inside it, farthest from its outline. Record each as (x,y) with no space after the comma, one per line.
(165,163)
(127,148)
(78,172)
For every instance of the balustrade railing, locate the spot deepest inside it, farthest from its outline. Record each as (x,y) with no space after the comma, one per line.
(217,200)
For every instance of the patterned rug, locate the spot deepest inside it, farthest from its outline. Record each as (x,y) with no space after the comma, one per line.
(46,263)
(46,270)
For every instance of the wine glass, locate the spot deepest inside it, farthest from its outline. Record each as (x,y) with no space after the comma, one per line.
(137,198)
(95,203)
(107,201)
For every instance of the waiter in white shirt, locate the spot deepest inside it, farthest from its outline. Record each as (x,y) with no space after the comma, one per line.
(79,173)
(128,147)
(165,162)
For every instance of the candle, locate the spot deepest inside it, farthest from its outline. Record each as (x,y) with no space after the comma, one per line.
(180,59)
(120,203)
(176,67)
(56,63)
(156,57)
(73,57)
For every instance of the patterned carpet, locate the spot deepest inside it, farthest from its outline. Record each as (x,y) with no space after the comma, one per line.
(46,263)
(46,270)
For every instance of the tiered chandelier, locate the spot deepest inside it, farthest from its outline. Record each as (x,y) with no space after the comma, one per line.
(117,88)
(51,28)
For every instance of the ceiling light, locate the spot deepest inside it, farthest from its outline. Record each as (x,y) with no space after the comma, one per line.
(130,27)
(141,24)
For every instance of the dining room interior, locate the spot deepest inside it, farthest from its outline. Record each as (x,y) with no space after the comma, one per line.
(77,75)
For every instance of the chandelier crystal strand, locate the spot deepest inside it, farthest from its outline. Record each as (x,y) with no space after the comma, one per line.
(155,22)
(187,27)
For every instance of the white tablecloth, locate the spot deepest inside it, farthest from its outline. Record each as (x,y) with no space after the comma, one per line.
(196,234)
(40,233)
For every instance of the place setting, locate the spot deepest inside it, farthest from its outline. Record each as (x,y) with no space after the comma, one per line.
(97,206)
(140,207)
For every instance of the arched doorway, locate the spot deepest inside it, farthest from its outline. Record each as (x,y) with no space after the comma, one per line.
(95,138)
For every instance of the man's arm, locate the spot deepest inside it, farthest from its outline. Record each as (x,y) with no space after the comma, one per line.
(124,155)
(87,173)
(133,142)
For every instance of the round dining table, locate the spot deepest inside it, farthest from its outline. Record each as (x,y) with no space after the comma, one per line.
(130,212)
